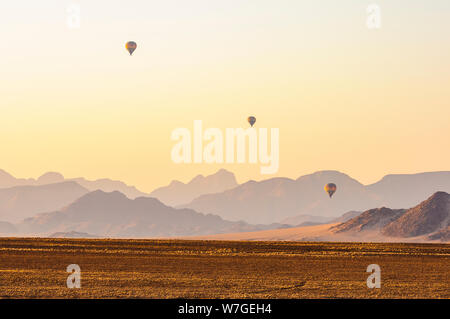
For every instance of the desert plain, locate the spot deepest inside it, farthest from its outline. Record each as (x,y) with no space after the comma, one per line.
(112,268)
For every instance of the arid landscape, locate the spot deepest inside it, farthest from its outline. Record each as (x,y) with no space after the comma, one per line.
(195,150)
(277,208)
(36,268)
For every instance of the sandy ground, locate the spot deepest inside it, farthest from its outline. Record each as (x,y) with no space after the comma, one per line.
(285,234)
(312,233)
(36,268)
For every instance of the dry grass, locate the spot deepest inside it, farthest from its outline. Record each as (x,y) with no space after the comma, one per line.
(36,268)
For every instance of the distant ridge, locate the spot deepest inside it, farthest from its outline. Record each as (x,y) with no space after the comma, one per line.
(426,222)
(105,184)
(280,199)
(72,234)
(178,193)
(407,190)
(272,201)
(7,228)
(109,185)
(277,199)
(19,202)
(114,215)
(7,180)
(175,194)
(347,216)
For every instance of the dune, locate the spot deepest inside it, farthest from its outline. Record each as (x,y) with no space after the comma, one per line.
(322,233)
(312,233)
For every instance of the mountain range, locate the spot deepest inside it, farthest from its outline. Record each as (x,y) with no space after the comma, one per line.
(107,185)
(53,204)
(114,215)
(178,193)
(23,198)
(19,202)
(427,218)
(174,194)
(428,221)
(284,199)
(7,228)
(100,214)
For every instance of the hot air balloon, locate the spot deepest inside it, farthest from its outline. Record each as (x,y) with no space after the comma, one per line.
(131,46)
(251,120)
(330,188)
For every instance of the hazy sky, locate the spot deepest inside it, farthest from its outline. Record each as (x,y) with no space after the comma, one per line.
(365,102)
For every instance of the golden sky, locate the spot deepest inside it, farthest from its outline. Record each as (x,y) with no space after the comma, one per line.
(364,102)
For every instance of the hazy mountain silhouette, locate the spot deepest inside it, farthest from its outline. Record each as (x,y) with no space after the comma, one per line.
(7,228)
(72,234)
(50,178)
(115,215)
(269,201)
(403,190)
(303,219)
(276,199)
(428,221)
(104,184)
(178,193)
(7,180)
(347,216)
(108,185)
(17,203)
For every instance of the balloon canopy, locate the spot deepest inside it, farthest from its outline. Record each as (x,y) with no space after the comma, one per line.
(131,46)
(330,188)
(251,120)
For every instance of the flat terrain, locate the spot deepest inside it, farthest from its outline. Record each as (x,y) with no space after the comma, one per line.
(322,233)
(36,268)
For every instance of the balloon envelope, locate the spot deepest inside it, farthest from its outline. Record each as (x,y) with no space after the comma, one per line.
(330,188)
(131,46)
(251,120)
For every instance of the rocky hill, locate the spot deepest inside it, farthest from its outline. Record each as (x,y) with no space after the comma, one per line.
(429,216)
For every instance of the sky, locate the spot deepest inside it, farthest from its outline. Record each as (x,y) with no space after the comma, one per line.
(344,97)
